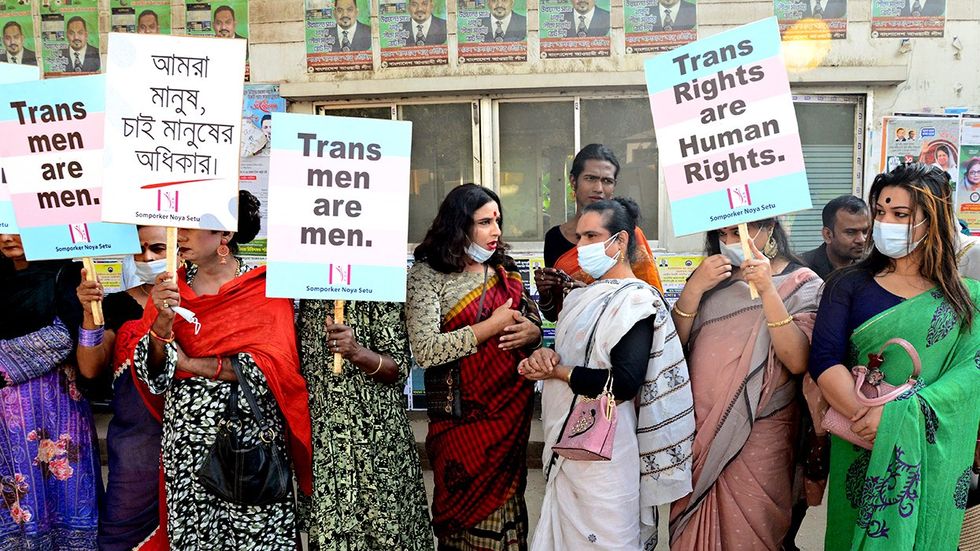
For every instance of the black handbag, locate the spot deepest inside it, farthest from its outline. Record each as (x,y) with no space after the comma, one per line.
(245,465)
(443,396)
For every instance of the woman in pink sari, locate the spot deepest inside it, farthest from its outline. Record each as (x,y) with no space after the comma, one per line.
(745,358)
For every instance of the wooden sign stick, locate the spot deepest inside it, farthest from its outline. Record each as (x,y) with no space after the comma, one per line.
(90,276)
(743,235)
(338,317)
(172,251)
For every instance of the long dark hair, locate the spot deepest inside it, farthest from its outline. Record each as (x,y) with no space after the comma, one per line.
(711,245)
(618,214)
(249,220)
(444,245)
(929,189)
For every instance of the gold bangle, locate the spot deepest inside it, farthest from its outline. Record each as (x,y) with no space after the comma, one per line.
(780,323)
(381,360)
(682,313)
(568,378)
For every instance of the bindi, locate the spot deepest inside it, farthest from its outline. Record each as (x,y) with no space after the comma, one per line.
(888,200)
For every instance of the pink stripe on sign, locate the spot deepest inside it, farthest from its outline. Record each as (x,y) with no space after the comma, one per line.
(786,146)
(667,112)
(52,137)
(50,209)
(292,169)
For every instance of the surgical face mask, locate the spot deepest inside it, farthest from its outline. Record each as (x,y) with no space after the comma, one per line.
(594,260)
(892,239)
(734,252)
(478,253)
(146,272)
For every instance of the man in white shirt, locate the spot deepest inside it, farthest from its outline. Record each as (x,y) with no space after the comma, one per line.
(587,20)
(13,43)
(82,56)
(423,28)
(351,35)
(503,24)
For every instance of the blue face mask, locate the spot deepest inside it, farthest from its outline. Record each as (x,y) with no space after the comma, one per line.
(594,260)
(478,253)
(734,251)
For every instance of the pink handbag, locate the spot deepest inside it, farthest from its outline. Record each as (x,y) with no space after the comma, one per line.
(590,428)
(870,389)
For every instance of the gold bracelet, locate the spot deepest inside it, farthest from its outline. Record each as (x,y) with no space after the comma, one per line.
(682,313)
(381,360)
(780,323)
(568,378)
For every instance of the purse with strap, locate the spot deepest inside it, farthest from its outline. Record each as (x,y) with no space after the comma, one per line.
(871,390)
(245,465)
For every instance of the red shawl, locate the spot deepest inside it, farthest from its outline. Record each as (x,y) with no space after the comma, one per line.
(239,318)
(479,462)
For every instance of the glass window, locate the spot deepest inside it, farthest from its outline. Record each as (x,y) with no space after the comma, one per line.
(625,126)
(442,157)
(536,145)
(827,134)
(360,112)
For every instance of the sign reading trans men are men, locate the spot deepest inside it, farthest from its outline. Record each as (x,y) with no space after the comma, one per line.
(338,208)
(726,128)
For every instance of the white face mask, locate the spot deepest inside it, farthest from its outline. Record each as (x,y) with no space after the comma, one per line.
(594,260)
(734,251)
(892,240)
(478,253)
(146,272)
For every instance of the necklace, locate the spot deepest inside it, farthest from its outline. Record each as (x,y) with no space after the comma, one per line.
(142,288)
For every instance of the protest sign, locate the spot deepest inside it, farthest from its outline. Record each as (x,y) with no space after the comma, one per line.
(19,46)
(567,32)
(968,192)
(907,18)
(811,19)
(491,30)
(140,16)
(70,38)
(413,32)
(10,72)
(655,27)
(52,156)
(173,131)
(338,208)
(726,128)
(338,35)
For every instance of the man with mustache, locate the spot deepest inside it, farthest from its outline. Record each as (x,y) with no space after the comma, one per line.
(424,29)
(82,56)
(351,35)
(224,23)
(846,223)
(147,23)
(13,43)
(586,19)
(503,24)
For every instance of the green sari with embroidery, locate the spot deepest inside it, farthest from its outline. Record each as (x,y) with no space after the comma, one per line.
(910,491)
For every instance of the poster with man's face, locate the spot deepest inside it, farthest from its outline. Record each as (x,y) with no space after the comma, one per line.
(811,19)
(908,18)
(221,19)
(491,30)
(338,35)
(660,25)
(574,28)
(413,32)
(19,45)
(144,17)
(70,38)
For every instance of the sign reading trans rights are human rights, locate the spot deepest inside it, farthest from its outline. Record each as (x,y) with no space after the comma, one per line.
(726,128)
(338,208)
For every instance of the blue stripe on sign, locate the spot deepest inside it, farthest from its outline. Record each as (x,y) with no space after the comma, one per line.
(89,90)
(394,137)
(301,280)
(54,242)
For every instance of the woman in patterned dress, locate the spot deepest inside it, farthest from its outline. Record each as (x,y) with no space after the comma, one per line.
(479,460)
(49,467)
(190,362)
(367,482)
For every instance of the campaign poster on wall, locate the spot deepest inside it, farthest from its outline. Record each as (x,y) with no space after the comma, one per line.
(52,156)
(491,30)
(574,28)
(726,128)
(338,208)
(140,16)
(223,19)
(173,131)
(19,45)
(924,139)
(968,191)
(907,18)
(261,101)
(674,270)
(811,19)
(70,38)
(11,72)
(338,35)
(413,32)
(659,25)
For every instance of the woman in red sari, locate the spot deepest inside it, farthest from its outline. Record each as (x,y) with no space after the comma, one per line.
(466,302)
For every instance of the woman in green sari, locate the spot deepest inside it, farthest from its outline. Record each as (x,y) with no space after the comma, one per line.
(909,491)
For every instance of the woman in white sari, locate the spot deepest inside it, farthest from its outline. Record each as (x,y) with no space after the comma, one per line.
(612,505)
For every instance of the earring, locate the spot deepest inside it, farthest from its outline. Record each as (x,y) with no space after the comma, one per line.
(770,250)
(223,252)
